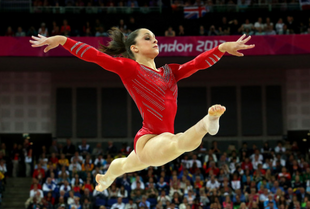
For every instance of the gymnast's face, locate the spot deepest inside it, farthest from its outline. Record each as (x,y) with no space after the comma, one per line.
(146,44)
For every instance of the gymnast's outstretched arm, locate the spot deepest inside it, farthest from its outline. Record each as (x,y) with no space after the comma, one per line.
(86,52)
(209,58)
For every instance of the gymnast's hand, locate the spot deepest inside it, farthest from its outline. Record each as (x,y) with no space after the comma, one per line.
(233,47)
(51,42)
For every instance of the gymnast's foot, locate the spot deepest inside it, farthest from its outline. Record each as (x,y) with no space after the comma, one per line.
(103,182)
(212,119)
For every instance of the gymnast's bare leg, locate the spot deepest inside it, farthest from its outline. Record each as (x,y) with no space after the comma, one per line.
(157,150)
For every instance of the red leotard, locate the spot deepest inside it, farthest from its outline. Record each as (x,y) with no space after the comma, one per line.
(155,93)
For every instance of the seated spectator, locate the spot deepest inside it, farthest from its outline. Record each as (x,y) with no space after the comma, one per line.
(227,204)
(49,198)
(88,185)
(20,32)
(65,187)
(285,174)
(122,192)
(65,28)
(35,191)
(136,195)
(43,30)
(137,183)
(48,186)
(224,29)
(131,205)
(213,31)
(119,204)
(9,32)
(170,32)
(63,161)
(212,183)
(163,198)
(61,204)
(113,191)
(270,203)
(87,165)
(181,31)
(176,198)
(144,203)
(32,31)
(279,148)
(39,172)
(75,164)
(190,197)
(87,194)
(173,189)
(33,202)
(84,148)
(202,31)
(69,148)
(225,190)
(78,157)
(100,161)
(98,149)
(259,25)
(55,31)
(76,203)
(53,159)
(111,149)
(236,183)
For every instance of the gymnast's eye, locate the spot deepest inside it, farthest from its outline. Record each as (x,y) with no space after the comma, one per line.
(147,38)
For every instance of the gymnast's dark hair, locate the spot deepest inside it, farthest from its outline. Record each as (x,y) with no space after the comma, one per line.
(120,44)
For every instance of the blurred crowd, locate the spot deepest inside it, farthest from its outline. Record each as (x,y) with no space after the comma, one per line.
(260,26)
(63,176)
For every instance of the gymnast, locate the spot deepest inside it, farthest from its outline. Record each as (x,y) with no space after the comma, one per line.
(154,91)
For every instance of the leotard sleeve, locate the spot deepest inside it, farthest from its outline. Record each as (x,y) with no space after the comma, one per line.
(202,61)
(118,65)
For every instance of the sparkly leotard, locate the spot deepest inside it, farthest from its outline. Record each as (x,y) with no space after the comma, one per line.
(155,93)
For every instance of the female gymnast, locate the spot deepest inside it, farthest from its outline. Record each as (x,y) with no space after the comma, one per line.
(154,91)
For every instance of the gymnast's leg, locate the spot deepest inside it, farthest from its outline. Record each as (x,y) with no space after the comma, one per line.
(117,168)
(165,147)
(156,150)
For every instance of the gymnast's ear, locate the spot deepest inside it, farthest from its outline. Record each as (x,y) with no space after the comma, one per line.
(134,49)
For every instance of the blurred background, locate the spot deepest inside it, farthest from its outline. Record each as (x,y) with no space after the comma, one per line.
(54,104)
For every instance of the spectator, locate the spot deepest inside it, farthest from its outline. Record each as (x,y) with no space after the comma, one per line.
(84,148)
(202,31)
(32,31)
(227,204)
(69,148)
(76,204)
(75,164)
(144,203)
(270,203)
(212,31)
(39,172)
(181,31)
(259,25)
(131,205)
(98,149)
(9,32)
(163,198)
(35,191)
(65,187)
(132,25)
(55,31)
(122,192)
(20,32)
(224,29)
(48,186)
(111,149)
(43,30)
(212,183)
(65,30)
(170,32)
